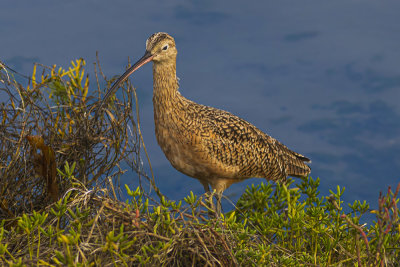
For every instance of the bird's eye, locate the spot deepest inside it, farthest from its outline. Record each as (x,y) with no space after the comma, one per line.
(165,47)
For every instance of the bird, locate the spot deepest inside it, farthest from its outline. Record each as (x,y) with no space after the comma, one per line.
(206,143)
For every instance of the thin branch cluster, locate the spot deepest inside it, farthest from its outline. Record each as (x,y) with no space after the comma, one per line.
(58,109)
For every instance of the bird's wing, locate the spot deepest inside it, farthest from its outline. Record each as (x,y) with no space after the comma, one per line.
(237,145)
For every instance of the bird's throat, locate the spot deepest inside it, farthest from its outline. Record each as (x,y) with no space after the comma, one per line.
(165,85)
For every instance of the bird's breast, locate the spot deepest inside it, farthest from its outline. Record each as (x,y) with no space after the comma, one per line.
(185,145)
(178,145)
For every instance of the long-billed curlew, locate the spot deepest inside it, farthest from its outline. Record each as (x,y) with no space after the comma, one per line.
(209,144)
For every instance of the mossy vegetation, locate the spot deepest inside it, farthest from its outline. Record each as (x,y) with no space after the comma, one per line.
(76,216)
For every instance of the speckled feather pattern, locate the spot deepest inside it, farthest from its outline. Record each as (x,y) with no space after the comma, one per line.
(210,144)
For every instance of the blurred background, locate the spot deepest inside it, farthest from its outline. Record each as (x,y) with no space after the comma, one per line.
(322,77)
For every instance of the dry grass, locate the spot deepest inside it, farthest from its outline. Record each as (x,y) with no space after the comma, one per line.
(58,108)
(106,232)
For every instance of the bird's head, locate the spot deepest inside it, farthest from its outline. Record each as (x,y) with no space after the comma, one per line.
(160,48)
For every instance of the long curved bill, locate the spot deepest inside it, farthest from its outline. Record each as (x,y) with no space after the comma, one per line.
(147,57)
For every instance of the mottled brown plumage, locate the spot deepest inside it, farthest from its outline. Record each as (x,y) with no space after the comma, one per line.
(206,143)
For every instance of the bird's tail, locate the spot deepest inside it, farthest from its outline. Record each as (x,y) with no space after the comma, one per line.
(295,163)
(298,168)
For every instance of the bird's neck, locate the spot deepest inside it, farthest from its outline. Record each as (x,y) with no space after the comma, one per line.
(165,84)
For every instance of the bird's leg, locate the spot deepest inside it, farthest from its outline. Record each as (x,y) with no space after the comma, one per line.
(210,197)
(206,187)
(208,194)
(219,207)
